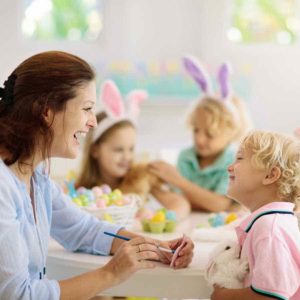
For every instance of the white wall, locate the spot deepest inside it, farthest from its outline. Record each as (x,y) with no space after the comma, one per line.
(274,70)
(163,29)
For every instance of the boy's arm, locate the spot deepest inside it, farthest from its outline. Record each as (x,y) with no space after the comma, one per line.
(203,199)
(235,294)
(200,198)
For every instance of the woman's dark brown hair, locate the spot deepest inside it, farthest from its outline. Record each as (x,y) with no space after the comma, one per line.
(44,81)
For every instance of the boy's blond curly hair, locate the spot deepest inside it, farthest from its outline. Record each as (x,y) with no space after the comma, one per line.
(220,120)
(274,149)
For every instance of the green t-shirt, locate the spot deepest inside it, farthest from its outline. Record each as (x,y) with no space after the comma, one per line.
(214,177)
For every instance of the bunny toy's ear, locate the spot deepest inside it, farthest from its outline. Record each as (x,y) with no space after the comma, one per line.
(112,99)
(224,73)
(135,98)
(198,73)
(210,270)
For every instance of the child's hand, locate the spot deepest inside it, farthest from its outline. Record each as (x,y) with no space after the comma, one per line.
(217,293)
(166,172)
(185,254)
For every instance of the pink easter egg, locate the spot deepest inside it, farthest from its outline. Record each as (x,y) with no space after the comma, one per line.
(101,203)
(126,200)
(97,191)
(145,214)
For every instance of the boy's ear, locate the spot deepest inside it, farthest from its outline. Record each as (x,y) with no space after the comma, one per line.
(272,176)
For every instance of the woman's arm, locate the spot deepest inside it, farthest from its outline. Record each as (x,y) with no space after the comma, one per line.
(130,257)
(200,198)
(173,201)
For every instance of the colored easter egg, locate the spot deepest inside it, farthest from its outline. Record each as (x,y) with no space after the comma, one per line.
(118,193)
(119,202)
(81,190)
(171,215)
(97,191)
(145,213)
(231,217)
(159,217)
(84,200)
(105,197)
(107,217)
(126,200)
(77,201)
(101,203)
(106,189)
(90,195)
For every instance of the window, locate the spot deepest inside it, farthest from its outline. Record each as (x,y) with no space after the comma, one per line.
(62,19)
(264,21)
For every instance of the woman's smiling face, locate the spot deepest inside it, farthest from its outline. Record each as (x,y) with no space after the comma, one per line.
(75,121)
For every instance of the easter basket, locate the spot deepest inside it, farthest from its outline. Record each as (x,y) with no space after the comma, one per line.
(121,215)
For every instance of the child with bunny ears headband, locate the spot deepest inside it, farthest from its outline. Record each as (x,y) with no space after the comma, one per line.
(216,120)
(108,155)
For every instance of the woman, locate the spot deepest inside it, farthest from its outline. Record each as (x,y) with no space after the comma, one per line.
(46,103)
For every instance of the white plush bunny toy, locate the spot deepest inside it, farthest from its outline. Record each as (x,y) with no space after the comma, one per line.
(225,267)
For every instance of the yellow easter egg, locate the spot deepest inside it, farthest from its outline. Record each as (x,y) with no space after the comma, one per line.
(71,175)
(107,217)
(230,218)
(77,201)
(117,192)
(159,217)
(105,197)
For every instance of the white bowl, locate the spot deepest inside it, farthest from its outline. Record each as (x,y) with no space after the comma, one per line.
(121,215)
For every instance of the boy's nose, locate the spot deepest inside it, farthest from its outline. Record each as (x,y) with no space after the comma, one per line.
(201,139)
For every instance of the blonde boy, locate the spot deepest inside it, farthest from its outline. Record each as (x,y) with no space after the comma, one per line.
(265,177)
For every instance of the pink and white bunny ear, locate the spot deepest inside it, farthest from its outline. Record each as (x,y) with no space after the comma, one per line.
(135,98)
(112,99)
(224,73)
(198,73)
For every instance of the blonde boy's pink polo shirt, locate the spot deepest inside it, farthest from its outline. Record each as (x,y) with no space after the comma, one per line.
(271,243)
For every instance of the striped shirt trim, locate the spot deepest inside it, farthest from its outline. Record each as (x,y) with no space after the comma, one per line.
(267,294)
(267,213)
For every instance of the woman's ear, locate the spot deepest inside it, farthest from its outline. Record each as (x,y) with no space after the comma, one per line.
(272,176)
(48,116)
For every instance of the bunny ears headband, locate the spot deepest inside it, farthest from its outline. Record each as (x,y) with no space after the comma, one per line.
(203,80)
(111,99)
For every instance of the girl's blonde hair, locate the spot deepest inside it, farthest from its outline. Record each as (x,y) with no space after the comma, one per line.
(89,173)
(220,120)
(273,149)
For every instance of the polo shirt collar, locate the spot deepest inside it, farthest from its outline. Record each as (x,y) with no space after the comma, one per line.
(241,229)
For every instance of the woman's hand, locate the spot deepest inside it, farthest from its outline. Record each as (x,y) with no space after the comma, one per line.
(166,172)
(132,256)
